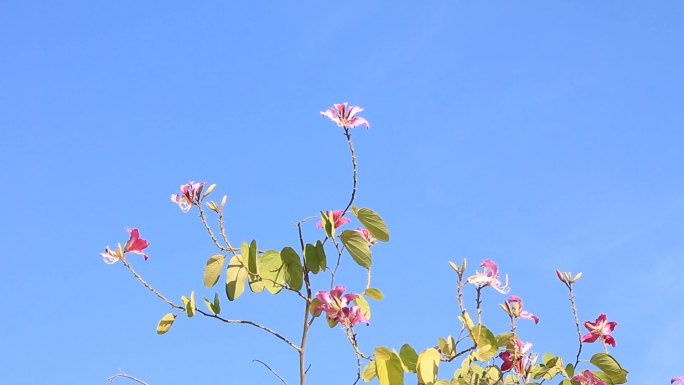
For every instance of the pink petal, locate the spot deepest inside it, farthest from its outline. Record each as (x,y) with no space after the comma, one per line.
(589,337)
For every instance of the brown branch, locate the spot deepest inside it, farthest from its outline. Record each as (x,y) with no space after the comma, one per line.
(271,370)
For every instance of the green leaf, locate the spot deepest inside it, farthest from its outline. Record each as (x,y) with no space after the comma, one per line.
(210,305)
(328,224)
(189,304)
(363,305)
(369,372)
(331,322)
(409,357)
(376,294)
(427,366)
(313,305)
(357,247)
(212,271)
(388,367)
(252,265)
(610,366)
(504,338)
(373,223)
(487,345)
(447,346)
(570,370)
(293,265)
(165,323)
(312,258)
(235,278)
(272,272)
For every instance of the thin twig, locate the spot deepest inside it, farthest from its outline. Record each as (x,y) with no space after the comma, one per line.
(147,285)
(577,323)
(272,371)
(347,134)
(124,375)
(203,218)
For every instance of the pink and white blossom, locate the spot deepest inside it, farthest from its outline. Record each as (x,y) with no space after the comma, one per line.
(601,328)
(515,305)
(135,244)
(516,357)
(345,117)
(588,378)
(337,219)
(489,276)
(366,235)
(188,196)
(679,380)
(337,306)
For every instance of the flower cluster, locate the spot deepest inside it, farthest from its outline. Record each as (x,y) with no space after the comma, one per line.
(366,235)
(135,244)
(337,307)
(489,276)
(514,307)
(345,117)
(188,196)
(335,217)
(516,356)
(600,328)
(588,378)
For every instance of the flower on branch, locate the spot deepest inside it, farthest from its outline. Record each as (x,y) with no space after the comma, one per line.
(335,217)
(135,244)
(188,196)
(366,235)
(588,378)
(345,117)
(489,276)
(514,307)
(600,328)
(337,307)
(516,357)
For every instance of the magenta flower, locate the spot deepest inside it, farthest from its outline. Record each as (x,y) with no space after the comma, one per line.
(337,219)
(679,379)
(600,328)
(588,378)
(366,235)
(516,357)
(135,244)
(188,196)
(489,276)
(345,117)
(515,305)
(337,306)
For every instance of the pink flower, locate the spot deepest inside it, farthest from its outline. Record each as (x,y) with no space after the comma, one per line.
(600,328)
(516,357)
(679,379)
(188,196)
(345,117)
(337,218)
(515,304)
(366,235)
(588,378)
(336,306)
(489,276)
(135,244)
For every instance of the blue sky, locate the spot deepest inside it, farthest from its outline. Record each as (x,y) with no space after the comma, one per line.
(541,135)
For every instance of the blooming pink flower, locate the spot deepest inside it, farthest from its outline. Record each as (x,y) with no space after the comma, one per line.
(366,235)
(188,196)
(516,357)
(337,218)
(588,378)
(516,305)
(345,117)
(489,276)
(600,328)
(135,244)
(336,306)
(679,379)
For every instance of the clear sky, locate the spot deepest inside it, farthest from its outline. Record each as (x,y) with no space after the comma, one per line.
(539,134)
